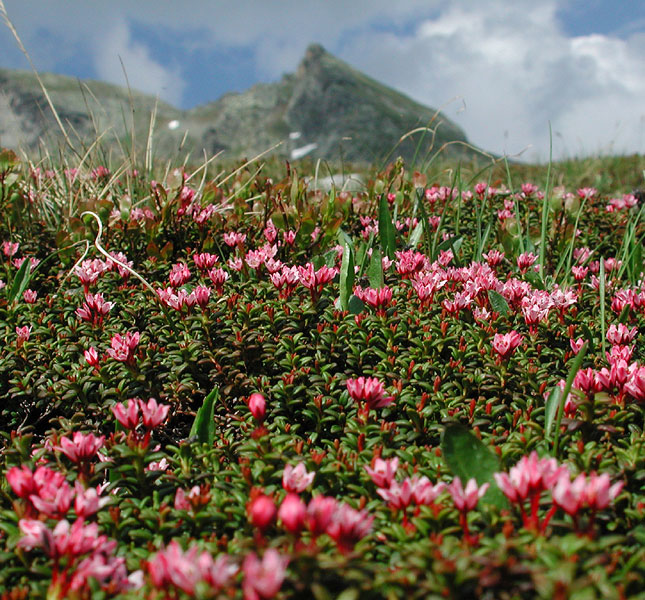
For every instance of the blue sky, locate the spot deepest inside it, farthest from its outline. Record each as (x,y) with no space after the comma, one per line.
(502,69)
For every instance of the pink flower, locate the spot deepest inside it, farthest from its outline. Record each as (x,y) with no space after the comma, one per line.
(315,280)
(289,237)
(10,248)
(376,298)
(369,390)
(205,260)
(621,335)
(296,479)
(598,492)
(383,472)
(30,296)
(22,335)
(81,447)
(87,502)
(292,513)
(398,495)
(568,495)
(257,406)
(234,238)
(92,357)
(153,414)
(526,260)
(174,567)
(261,511)
(218,277)
(94,309)
(530,475)
(128,417)
(493,258)
(466,499)
(320,511)
(348,526)
(635,385)
(263,578)
(122,348)
(179,274)
(505,344)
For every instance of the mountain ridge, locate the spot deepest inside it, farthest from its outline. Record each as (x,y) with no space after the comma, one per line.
(326,109)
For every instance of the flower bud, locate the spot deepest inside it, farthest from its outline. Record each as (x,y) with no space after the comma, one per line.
(257,406)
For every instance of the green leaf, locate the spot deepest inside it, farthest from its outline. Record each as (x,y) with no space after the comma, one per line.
(204,425)
(355,305)
(534,279)
(468,457)
(386,228)
(346,276)
(498,302)
(375,270)
(20,281)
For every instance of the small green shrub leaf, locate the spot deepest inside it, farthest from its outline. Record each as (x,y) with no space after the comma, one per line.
(20,281)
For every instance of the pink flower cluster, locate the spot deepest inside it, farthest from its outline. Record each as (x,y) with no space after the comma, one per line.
(94,309)
(532,476)
(137,412)
(174,568)
(180,299)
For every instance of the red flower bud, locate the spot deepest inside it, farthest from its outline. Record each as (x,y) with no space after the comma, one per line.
(262,511)
(257,406)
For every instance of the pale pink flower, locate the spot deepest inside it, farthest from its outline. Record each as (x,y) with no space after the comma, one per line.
(122,348)
(383,472)
(270,232)
(620,334)
(635,385)
(205,260)
(233,238)
(398,495)
(424,492)
(22,334)
(289,237)
(466,499)
(296,479)
(29,296)
(10,248)
(172,566)
(236,264)
(348,526)
(505,344)
(179,274)
(152,413)
(599,494)
(525,261)
(94,309)
(376,298)
(493,258)
(263,578)
(218,277)
(569,495)
(87,502)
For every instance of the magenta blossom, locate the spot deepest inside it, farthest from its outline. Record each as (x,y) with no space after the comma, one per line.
(82,446)
(383,472)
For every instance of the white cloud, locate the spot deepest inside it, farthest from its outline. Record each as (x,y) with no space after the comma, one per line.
(116,46)
(516,71)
